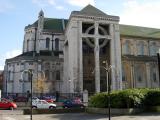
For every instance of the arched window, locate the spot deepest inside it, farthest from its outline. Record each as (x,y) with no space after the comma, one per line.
(141,48)
(123,74)
(27,45)
(153,73)
(139,72)
(47,42)
(47,74)
(57,44)
(126,50)
(153,49)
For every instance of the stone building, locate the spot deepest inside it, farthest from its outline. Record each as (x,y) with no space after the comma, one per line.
(1,80)
(71,55)
(42,54)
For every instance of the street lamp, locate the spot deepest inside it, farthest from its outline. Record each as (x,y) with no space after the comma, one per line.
(108,68)
(30,79)
(158,57)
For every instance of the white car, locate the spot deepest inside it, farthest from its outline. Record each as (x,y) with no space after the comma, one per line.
(42,104)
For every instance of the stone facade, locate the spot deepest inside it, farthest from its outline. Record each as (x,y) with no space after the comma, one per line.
(75,55)
(43,55)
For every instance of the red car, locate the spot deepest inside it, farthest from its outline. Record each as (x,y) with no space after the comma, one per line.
(6,104)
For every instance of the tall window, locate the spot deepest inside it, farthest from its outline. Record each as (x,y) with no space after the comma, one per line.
(153,49)
(126,48)
(47,74)
(28,45)
(153,73)
(9,75)
(57,44)
(141,48)
(47,42)
(139,71)
(57,75)
(123,74)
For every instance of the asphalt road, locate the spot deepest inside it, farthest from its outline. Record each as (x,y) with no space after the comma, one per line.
(18,115)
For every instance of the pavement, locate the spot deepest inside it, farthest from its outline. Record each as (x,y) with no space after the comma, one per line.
(18,115)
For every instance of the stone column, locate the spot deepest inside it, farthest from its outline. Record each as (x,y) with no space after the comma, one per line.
(80,59)
(112,58)
(148,79)
(118,57)
(97,67)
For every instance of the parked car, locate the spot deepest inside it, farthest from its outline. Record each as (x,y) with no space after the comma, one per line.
(7,104)
(21,99)
(35,99)
(42,104)
(72,104)
(49,99)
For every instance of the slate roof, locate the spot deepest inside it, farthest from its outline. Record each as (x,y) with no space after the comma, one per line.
(91,11)
(56,25)
(53,24)
(138,31)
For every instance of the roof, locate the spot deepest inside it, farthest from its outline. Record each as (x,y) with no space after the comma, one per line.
(91,10)
(57,25)
(53,24)
(30,56)
(138,31)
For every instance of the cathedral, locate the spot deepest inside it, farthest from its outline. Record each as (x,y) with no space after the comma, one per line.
(75,54)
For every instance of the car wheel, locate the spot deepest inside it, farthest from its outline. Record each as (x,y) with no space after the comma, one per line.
(52,107)
(34,107)
(11,108)
(65,107)
(82,107)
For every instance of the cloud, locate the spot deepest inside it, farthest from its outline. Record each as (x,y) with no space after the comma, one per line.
(47,3)
(8,55)
(81,3)
(5,6)
(1,67)
(44,3)
(60,8)
(144,13)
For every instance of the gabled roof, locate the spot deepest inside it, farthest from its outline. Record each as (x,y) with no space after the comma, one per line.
(91,10)
(138,31)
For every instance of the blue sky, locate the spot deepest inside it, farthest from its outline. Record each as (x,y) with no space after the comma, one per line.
(16,14)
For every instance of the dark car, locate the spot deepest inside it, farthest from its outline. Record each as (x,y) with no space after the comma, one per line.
(21,99)
(72,104)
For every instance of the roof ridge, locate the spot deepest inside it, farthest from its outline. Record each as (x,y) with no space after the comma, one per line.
(89,9)
(139,26)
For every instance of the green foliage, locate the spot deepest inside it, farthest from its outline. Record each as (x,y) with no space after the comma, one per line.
(129,98)
(152,98)
(98,100)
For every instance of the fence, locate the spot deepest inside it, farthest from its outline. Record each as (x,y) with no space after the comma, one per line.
(23,97)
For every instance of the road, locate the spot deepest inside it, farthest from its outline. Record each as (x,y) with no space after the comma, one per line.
(18,115)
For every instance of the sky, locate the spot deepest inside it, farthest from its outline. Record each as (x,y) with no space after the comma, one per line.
(16,14)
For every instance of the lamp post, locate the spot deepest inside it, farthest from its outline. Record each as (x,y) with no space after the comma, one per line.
(158,57)
(108,68)
(30,79)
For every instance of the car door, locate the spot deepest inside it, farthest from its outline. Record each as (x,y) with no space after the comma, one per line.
(4,104)
(45,104)
(39,104)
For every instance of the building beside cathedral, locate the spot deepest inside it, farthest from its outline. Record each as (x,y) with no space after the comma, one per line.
(70,55)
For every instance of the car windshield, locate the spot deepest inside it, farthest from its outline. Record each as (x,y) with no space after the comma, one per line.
(4,100)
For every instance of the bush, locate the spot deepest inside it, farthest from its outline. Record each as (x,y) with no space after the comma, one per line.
(152,98)
(129,98)
(98,100)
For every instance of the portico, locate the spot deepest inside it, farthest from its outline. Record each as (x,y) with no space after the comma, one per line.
(96,38)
